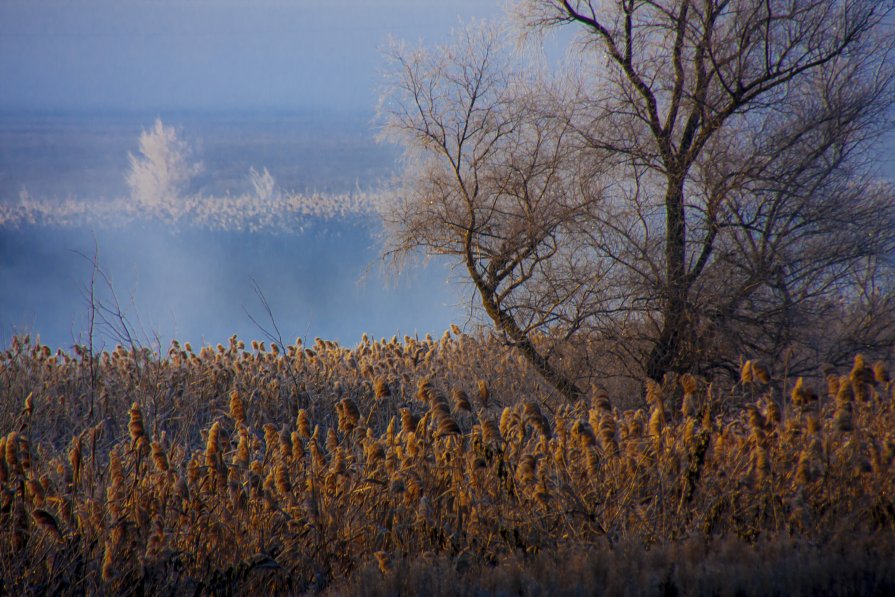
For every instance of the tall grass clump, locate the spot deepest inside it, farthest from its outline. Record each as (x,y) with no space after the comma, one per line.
(432,466)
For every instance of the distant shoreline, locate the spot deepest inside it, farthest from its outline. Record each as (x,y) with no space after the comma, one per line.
(59,154)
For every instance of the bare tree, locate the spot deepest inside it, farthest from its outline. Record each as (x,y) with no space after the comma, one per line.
(699,185)
(487,181)
(746,121)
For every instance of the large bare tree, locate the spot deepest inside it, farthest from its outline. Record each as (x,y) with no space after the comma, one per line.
(487,181)
(697,185)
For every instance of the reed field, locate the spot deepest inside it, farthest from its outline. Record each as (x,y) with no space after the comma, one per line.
(433,466)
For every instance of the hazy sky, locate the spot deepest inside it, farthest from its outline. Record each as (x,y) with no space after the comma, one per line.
(208,54)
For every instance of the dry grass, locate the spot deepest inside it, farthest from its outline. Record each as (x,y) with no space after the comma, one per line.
(432,466)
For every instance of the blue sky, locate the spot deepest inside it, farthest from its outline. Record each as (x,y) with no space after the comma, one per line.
(209,54)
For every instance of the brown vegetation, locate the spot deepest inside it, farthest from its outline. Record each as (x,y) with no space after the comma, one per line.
(432,466)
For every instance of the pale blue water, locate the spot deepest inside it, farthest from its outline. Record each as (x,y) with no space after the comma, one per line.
(85,154)
(194,284)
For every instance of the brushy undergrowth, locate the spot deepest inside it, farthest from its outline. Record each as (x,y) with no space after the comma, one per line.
(432,467)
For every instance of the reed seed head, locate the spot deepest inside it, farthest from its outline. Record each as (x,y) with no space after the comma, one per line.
(237,409)
(135,425)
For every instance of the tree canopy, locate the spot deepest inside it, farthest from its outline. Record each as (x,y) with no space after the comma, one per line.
(697,182)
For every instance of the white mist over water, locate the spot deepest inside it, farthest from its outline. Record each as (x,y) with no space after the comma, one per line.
(184,259)
(162,185)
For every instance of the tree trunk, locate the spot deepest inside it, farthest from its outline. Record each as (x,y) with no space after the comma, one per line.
(506,324)
(668,353)
(523,344)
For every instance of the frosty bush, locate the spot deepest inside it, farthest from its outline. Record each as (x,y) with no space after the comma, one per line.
(162,171)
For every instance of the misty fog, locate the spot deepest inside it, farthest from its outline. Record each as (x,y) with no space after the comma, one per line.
(280,204)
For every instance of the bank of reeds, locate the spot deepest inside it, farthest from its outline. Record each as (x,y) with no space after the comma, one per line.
(432,466)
